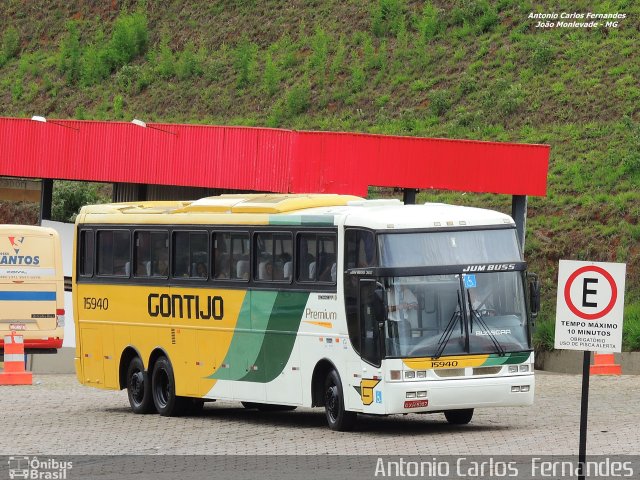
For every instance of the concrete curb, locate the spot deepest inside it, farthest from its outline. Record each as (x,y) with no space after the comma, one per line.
(61,362)
(570,361)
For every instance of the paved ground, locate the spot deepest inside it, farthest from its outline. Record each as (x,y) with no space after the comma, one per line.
(59,416)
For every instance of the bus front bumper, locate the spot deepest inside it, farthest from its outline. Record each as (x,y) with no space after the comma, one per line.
(440,395)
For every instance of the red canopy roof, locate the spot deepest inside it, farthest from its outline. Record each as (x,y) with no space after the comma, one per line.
(264,159)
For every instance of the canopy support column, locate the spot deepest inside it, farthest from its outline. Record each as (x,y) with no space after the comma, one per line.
(519,214)
(409,196)
(46,199)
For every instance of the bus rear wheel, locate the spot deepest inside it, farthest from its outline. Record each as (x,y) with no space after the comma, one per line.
(337,417)
(163,387)
(139,388)
(459,417)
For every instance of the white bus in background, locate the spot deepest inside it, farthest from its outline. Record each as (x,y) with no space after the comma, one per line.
(32,287)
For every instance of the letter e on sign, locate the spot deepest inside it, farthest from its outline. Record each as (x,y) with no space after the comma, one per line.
(590,304)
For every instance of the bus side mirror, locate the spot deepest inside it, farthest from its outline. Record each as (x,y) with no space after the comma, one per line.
(534,294)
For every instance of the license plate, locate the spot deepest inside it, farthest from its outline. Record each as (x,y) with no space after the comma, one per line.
(17,326)
(416,403)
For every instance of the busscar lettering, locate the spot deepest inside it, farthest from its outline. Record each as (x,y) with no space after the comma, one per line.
(185,306)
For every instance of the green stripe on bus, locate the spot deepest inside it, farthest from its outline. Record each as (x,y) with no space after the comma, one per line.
(248,335)
(507,359)
(280,337)
(309,220)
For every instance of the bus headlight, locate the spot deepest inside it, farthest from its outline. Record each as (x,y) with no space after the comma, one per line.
(410,374)
(513,368)
(523,368)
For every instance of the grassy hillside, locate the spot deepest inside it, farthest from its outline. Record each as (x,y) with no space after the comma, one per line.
(459,69)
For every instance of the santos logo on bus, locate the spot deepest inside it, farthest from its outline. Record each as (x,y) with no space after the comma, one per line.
(7,259)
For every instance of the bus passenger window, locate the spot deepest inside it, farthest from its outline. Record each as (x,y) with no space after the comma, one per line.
(274,253)
(231,256)
(114,257)
(86,253)
(142,254)
(316,257)
(359,251)
(159,254)
(240,255)
(190,254)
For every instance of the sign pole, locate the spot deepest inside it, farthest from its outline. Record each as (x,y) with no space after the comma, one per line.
(589,291)
(584,410)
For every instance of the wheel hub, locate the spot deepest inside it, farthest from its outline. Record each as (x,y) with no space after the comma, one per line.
(331,401)
(137,386)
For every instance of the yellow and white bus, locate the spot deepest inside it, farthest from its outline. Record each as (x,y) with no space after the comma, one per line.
(31,287)
(278,301)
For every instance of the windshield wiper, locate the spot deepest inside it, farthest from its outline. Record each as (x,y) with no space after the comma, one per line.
(446,335)
(483,325)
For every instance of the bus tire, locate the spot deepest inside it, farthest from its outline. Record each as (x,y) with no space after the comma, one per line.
(338,418)
(163,387)
(139,388)
(459,417)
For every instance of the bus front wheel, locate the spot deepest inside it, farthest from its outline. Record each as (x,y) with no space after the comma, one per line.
(459,417)
(139,388)
(163,386)
(337,417)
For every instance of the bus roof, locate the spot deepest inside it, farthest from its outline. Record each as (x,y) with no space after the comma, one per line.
(27,230)
(293,209)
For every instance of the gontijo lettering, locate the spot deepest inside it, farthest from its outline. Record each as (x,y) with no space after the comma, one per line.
(185,306)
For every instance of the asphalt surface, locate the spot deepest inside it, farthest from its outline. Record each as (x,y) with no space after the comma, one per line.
(57,416)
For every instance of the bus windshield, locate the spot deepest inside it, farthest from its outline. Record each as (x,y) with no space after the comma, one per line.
(435,315)
(448,248)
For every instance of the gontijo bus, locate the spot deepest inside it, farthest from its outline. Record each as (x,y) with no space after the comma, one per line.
(280,301)
(31,287)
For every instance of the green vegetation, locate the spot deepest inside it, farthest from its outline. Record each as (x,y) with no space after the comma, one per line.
(69,197)
(474,69)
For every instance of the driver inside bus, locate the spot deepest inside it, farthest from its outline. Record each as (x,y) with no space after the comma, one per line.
(402,315)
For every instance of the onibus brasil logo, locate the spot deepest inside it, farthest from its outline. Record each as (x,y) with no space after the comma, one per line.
(35,468)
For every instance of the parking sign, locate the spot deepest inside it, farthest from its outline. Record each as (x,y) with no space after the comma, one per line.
(590,305)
